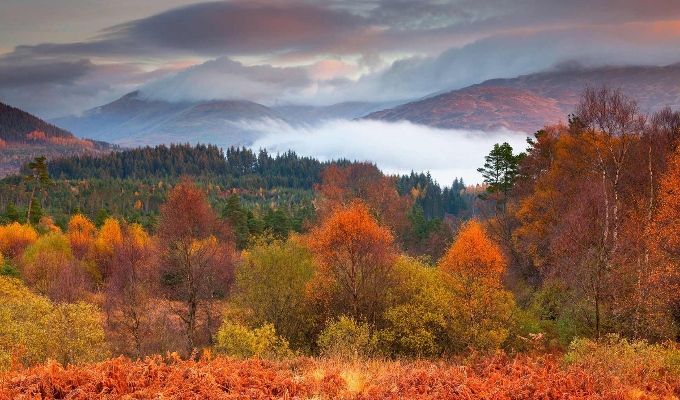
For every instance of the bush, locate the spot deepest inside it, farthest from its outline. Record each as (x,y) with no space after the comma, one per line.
(239,341)
(416,324)
(271,284)
(348,339)
(629,360)
(33,329)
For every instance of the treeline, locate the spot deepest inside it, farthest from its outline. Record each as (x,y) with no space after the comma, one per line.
(249,170)
(132,185)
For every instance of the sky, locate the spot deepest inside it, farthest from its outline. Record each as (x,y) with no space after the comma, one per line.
(60,57)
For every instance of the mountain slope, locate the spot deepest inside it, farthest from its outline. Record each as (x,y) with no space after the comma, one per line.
(135,120)
(24,136)
(480,108)
(15,124)
(529,102)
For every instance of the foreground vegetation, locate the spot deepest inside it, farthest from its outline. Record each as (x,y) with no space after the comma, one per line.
(628,371)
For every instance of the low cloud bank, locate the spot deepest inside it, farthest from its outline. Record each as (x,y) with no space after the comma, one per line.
(396,147)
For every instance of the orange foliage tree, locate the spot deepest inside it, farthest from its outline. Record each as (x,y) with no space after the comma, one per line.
(80,235)
(131,284)
(198,257)
(363,181)
(14,238)
(472,269)
(355,256)
(103,247)
(662,276)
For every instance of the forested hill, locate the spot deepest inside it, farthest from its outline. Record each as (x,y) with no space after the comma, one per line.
(24,136)
(15,124)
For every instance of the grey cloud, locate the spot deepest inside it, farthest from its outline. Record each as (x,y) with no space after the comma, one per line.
(224,79)
(42,73)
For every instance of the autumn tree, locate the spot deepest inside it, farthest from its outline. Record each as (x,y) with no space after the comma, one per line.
(101,252)
(40,329)
(472,270)
(45,263)
(355,259)
(80,234)
(14,238)
(130,286)
(270,285)
(613,123)
(365,182)
(663,278)
(197,252)
(37,176)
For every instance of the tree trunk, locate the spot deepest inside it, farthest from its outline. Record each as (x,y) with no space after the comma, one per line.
(30,203)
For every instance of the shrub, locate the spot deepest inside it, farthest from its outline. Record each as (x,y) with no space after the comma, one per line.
(271,285)
(33,329)
(348,339)
(629,360)
(415,325)
(236,340)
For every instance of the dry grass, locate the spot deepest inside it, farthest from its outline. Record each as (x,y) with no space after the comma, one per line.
(495,377)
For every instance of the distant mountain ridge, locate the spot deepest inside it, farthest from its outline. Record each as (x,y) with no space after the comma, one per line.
(134,120)
(529,102)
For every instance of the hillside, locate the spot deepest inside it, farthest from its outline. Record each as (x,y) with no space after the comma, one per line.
(136,121)
(24,136)
(529,102)
(133,120)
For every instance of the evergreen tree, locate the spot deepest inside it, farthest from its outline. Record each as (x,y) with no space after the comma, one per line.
(500,171)
(102,215)
(38,175)
(237,217)
(11,213)
(35,211)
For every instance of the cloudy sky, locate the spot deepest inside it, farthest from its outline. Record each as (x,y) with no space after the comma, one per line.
(63,56)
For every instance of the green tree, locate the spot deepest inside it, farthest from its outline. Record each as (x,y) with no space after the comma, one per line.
(36,211)
(271,284)
(500,171)
(11,213)
(37,176)
(237,216)
(278,223)
(102,216)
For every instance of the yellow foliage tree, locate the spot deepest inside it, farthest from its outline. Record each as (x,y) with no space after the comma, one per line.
(101,250)
(33,329)
(80,234)
(472,269)
(15,237)
(44,260)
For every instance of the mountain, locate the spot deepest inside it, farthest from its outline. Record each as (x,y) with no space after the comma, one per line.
(134,120)
(529,102)
(24,136)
